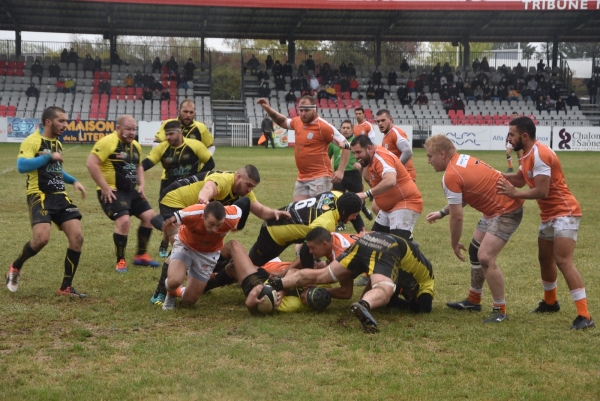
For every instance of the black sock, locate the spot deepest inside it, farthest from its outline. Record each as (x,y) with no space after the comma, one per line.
(71,263)
(365,304)
(160,288)
(221,279)
(143,238)
(26,253)
(120,245)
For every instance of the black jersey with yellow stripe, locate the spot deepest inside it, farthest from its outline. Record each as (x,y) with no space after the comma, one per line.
(307,210)
(118,162)
(49,177)
(196,130)
(181,161)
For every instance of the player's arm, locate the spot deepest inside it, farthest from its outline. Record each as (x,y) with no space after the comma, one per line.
(517,180)
(331,274)
(405,148)
(388,182)
(28,164)
(69,179)
(266,213)
(456,226)
(344,291)
(207,139)
(93,166)
(440,214)
(277,118)
(538,191)
(204,155)
(371,133)
(207,192)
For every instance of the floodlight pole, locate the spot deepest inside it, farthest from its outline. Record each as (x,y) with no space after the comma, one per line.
(292,51)
(378,49)
(17,43)
(466,53)
(555,51)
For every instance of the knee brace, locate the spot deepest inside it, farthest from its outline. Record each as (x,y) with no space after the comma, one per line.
(473,249)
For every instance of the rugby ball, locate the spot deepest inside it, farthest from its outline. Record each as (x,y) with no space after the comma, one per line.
(267,297)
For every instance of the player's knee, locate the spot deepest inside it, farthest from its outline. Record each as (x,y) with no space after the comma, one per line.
(485,259)
(424,303)
(473,250)
(40,241)
(123,223)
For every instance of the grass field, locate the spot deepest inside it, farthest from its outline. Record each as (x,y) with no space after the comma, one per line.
(116,346)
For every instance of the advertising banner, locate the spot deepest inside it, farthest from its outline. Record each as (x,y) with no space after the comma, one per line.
(146,132)
(282,137)
(576,138)
(87,131)
(466,137)
(17,129)
(499,133)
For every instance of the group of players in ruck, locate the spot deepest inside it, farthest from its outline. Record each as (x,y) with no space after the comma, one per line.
(199,205)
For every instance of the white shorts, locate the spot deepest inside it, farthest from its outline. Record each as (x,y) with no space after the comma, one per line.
(565,226)
(200,264)
(401,219)
(502,226)
(312,188)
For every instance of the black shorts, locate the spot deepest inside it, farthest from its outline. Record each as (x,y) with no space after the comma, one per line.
(55,208)
(166,211)
(264,249)
(127,203)
(351,182)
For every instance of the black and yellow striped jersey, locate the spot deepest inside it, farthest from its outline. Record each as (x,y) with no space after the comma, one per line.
(118,162)
(49,177)
(196,130)
(181,161)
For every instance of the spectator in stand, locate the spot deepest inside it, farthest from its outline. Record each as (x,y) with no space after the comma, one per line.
(476,65)
(344,84)
(550,104)
(541,66)
(519,71)
(54,70)
(32,91)
(73,57)
(156,94)
(403,95)
(404,65)
(157,66)
(60,85)
(321,93)
(253,65)
(287,69)
(290,98)
(182,81)
(331,93)
(513,95)
(157,85)
(37,70)
(148,80)
(478,93)
(392,77)
(104,87)
(69,84)
(264,90)
(115,59)
(172,64)
(380,92)
(296,82)
(485,66)
(422,99)
(351,70)
(147,93)
(262,76)
(305,84)
(458,104)
(189,68)
(97,64)
(314,83)
(353,84)
(469,93)
(502,93)
(277,68)
(279,83)
(88,63)
(138,80)
(173,75)
(269,62)
(561,105)
(593,85)
(572,100)
(64,56)
(495,93)
(376,77)
(343,69)
(371,91)
(419,84)
(410,85)
(165,95)
(310,63)
(128,81)
(540,104)
(447,101)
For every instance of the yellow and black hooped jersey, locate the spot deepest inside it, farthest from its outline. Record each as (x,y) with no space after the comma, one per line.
(392,256)
(187,195)
(118,162)
(181,161)
(320,211)
(196,130)
(49,177)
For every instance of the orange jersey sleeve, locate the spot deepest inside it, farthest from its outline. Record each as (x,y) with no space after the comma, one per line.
(275,265)
(405,194)
(312,141)
(364,129)
(193,233)
(391,140)
(470,180)
(541,160)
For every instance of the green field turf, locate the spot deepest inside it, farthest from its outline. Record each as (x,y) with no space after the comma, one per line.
(116,346)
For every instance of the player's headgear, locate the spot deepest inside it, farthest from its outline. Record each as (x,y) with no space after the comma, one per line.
(318,298)
(347,204)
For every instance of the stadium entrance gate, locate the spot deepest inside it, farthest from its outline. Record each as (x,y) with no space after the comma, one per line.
(241,134)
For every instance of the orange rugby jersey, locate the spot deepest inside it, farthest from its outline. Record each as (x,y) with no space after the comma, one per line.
(470,180)
(364,129)
(541,160)
(405,194)
(392,140)
(193,233)
(312,141)
(275,265)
